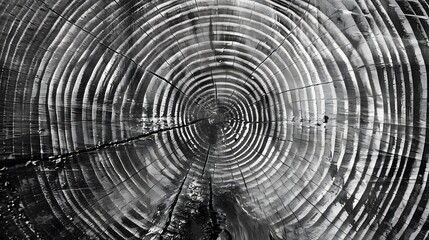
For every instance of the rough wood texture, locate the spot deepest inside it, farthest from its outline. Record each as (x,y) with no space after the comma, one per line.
(214,119)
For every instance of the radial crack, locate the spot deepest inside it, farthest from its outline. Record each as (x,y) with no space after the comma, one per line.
(165,80)
(173,205)
(98,147)
(213,216)
(205,163)
(106,46)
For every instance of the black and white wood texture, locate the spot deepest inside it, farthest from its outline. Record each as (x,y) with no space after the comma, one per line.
(214,119)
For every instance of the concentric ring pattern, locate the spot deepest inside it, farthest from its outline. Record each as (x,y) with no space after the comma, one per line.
(223,119)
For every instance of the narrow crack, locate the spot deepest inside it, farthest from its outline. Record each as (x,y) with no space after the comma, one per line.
(205,163)
(165,80)
(173,205)
(175,87)
(177,42)
(117,187)
(8,163)
(275,49)
(212,212)
(108,47)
